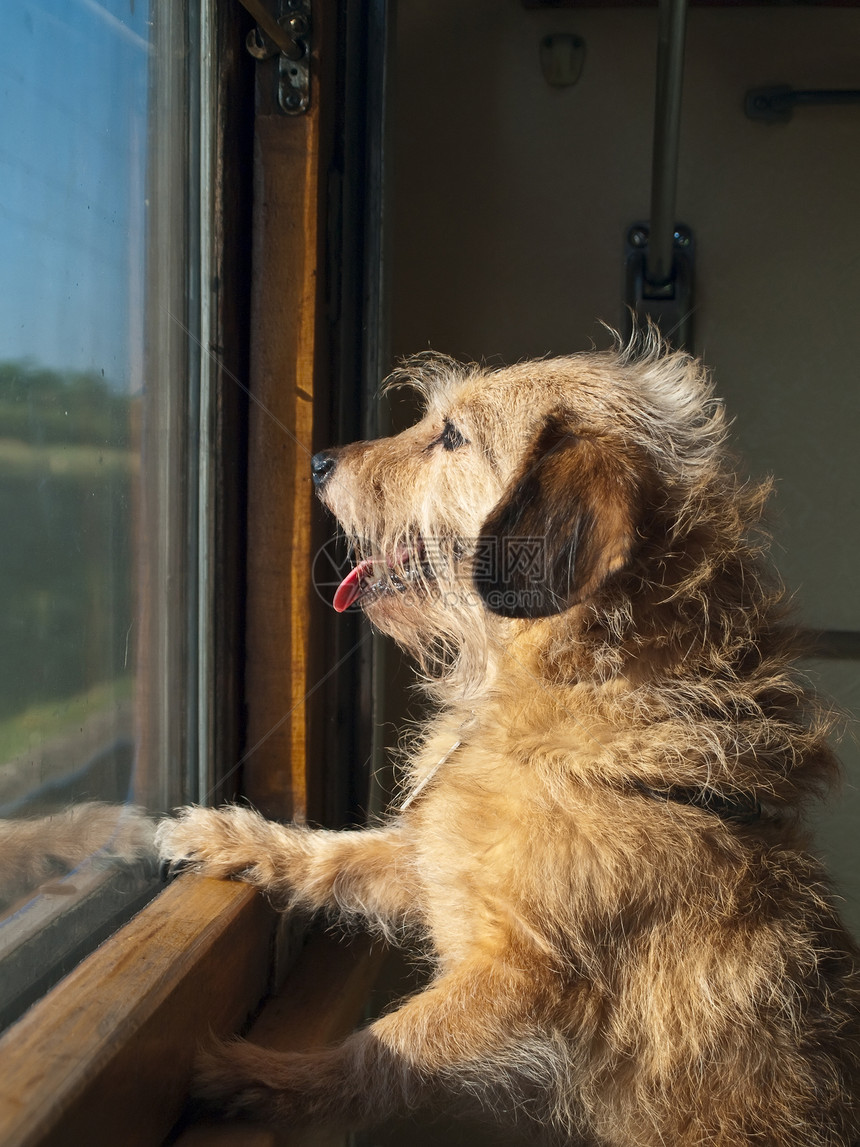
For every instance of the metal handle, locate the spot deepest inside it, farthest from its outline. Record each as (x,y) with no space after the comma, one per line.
(775,105)
(667,130)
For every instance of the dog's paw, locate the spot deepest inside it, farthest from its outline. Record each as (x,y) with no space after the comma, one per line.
(218,842)
(133,834)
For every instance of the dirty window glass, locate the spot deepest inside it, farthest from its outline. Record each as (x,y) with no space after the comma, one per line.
(97,385)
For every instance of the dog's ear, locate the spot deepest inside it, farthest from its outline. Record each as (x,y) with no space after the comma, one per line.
(566,523)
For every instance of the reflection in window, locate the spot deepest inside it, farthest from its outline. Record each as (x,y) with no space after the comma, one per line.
(92,433)
(67,464)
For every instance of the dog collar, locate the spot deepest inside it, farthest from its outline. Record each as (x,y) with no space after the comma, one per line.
(422,785)
(740,808)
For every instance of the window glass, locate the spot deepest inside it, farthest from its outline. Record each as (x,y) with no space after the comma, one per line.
(99,411)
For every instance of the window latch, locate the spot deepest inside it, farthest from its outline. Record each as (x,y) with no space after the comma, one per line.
(286,36)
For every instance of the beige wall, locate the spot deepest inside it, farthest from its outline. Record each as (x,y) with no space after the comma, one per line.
(510,203)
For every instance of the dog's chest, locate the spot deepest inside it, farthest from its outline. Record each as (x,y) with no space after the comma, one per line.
(495,845)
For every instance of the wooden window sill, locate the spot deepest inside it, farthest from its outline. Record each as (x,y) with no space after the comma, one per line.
(322,1000)
(105,1057)
(55,928)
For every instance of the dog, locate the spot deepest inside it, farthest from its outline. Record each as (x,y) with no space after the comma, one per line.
(600,835)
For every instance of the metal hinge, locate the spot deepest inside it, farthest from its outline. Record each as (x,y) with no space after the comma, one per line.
(287,36)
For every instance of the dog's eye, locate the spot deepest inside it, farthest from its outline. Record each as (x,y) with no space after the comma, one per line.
(451,438)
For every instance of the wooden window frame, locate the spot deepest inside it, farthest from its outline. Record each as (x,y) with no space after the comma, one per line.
(105,1057)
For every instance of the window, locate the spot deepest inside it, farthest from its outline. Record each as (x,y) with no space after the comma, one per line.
(106,464)
(219,431)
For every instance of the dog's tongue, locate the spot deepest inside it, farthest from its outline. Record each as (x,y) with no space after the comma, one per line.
(349,590)
(360,579)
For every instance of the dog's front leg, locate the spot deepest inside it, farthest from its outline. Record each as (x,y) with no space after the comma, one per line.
(368,872)
(475,1031)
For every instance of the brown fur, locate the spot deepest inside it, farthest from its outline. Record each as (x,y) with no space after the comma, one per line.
(622,948)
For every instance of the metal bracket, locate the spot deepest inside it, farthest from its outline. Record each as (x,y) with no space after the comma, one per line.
(294,76)
(288,38)
(668,304)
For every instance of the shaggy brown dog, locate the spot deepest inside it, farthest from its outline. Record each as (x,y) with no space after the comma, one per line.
(600,836)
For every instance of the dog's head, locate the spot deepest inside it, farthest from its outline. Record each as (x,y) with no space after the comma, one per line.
(522,492)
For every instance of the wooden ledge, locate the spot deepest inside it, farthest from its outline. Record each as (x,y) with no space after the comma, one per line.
(322,1000)
(105,1057)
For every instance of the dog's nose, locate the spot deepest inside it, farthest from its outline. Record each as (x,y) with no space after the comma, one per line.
(322,465)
